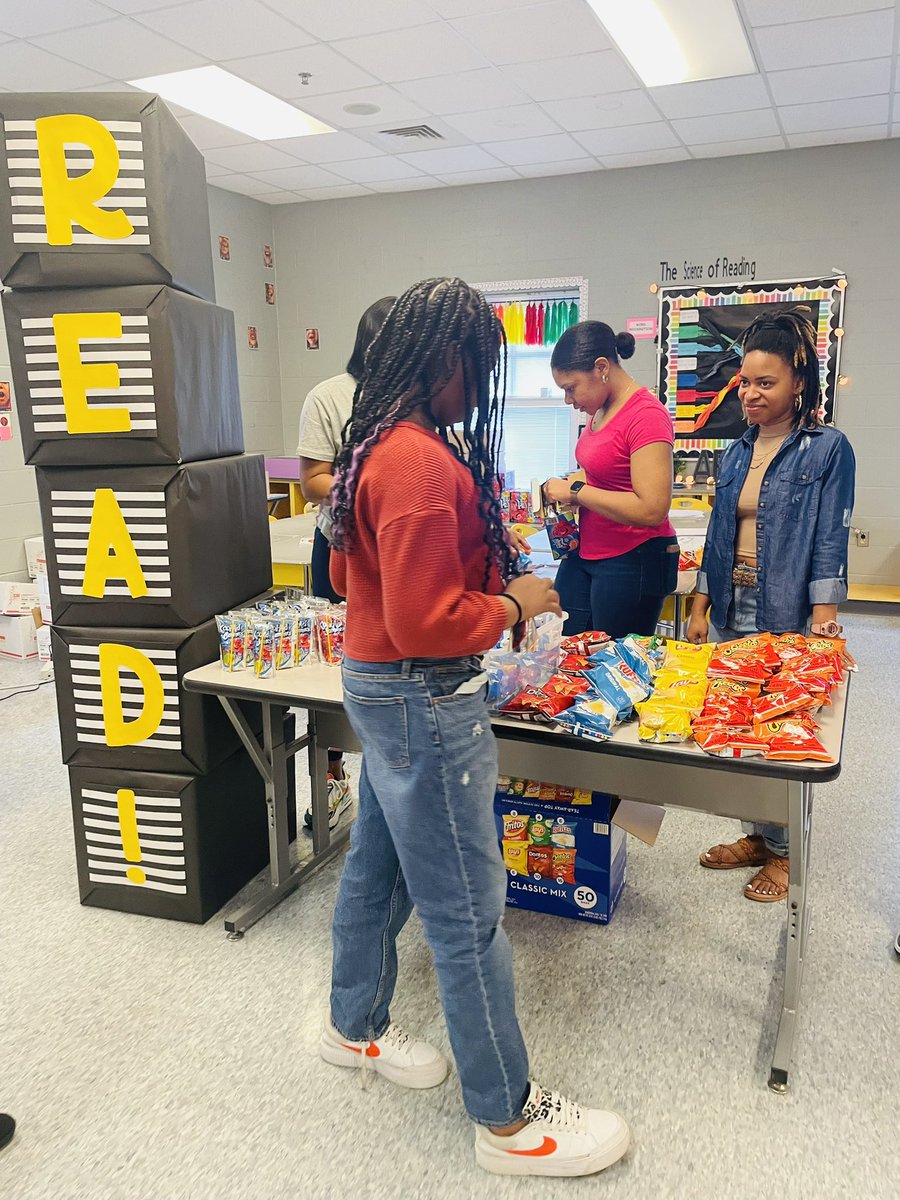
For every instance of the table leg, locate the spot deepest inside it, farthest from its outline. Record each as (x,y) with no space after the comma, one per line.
(318,780)
(800,797)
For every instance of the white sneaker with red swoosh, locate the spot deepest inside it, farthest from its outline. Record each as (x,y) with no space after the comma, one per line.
(395,1055)
(561,1138)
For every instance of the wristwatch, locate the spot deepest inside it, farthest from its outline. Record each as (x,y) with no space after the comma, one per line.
(576,487)
(826,629)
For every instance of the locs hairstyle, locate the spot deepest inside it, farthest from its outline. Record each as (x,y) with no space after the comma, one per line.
(428,331)
(792,337)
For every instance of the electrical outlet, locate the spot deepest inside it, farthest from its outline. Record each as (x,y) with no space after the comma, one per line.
(862,537)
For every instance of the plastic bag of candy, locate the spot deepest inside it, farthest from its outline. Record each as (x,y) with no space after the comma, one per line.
(232,635)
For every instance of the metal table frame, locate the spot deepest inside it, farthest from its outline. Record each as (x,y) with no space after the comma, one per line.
(677,776)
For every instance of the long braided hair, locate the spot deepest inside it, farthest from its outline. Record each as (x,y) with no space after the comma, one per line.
(792,337)
(429,330)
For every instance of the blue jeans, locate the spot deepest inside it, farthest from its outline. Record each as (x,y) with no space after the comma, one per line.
(741,622)
(425,837)
(320,568)
(620,595)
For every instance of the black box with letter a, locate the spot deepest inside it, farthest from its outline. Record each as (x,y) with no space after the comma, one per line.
(128,375)
(166,845)
(154,546)
(101,188)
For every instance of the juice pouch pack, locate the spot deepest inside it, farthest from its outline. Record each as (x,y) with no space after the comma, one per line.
(232,632)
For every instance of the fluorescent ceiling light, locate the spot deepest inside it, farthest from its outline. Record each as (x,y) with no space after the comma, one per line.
(223,97)
(670,41)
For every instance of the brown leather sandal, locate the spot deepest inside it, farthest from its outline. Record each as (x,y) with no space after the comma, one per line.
(728,856)
(774,872)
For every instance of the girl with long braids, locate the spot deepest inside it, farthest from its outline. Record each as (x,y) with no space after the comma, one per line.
(430,583)
(776,549)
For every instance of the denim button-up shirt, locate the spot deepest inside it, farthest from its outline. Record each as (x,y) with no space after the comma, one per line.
(802,528)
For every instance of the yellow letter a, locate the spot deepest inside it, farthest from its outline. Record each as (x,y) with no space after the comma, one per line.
(71,200)
(110,550)
(113,659)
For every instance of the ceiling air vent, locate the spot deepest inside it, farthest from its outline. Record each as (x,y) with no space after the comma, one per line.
(424,132)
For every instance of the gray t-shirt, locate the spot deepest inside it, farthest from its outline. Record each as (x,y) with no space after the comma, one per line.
(326,411)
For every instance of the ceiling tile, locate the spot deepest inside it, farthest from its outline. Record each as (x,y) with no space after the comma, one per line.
(412,53)
(327,147)
(225,28)
(806,118)
(461,158)
(696,130)
(603,112)
(733,148)
(741,93)
(631,140)
(570,166)
(394,109)
(241,183)
(497,175)
(342,192)
(279,73)
(523,120)
(297,178)
(329,20)
(28,68)
(255,156)
(132,49)
(210,135)
(838,81)
(30,20)
(522,151)
(373,170)
(831,137)
(776,12)
(464,8)
(421,183)
(134,6)
(212,170)
(468,92)
(647,159)
(280,197)
(541,31)
(573,75)
(837,39)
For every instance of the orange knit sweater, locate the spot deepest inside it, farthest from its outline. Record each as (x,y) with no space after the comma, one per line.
(414,578)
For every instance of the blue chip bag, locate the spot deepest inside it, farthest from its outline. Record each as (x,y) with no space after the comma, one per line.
(608,685)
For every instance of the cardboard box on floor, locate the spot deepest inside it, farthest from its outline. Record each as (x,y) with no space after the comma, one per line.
(18,599)
(18,637)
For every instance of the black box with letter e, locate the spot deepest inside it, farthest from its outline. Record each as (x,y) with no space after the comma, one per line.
(123,375)
(101,188)
(121,703)
(159,547)
(165,845)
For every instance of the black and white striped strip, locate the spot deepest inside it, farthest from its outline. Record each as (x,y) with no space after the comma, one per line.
(89,718)
(160,830)
(131,354)
(26,193)
(144,514)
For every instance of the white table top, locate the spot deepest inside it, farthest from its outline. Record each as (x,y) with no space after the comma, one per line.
(292,537)
(318,685)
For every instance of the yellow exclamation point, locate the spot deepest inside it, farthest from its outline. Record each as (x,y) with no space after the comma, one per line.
(130,841)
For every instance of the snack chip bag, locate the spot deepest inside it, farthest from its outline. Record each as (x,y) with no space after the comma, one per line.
(563,865)
(517,787)
(584,643)
(795,743)
(732,687)
(744,668)
(515,827)
(690,693)
(529,702)
(568,686)
(661,720)
(794,698)
(532,789)
(232,634)
(574,664)
(732,743)
(758,645)
(562,835)
(785,726)
(539,829)
(540,861)
(685,658)
(606,685)
(502,785)
(562,530)
(515,856)
(639,658)
(593,718)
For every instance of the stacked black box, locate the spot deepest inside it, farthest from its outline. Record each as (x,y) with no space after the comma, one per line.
(154,520)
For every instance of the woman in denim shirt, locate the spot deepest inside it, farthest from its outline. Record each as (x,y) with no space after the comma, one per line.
(776,550)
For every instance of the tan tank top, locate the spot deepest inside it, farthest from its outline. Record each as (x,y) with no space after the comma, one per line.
(764,451)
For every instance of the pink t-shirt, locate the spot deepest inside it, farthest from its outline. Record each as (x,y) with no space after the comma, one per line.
(606,459)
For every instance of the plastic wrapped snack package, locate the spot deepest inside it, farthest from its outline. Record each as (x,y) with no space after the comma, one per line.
(232,635)
(264,641)
(515,856)
(330,626)
(595,718)
(304,638)
(663,720)
(606,684)
(732,743)
(584,643)
(685,658)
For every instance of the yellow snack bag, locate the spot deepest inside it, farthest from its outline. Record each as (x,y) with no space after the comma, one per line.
(663,720)
(515,856)
(684,658)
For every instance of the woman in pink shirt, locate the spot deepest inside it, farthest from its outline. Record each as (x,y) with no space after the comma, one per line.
(628,559)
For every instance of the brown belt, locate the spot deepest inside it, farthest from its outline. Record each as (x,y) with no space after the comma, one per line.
(743,575)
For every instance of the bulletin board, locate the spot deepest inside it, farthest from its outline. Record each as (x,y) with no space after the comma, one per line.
(700,333)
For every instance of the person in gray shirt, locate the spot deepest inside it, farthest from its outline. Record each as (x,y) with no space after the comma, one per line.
(326,411)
